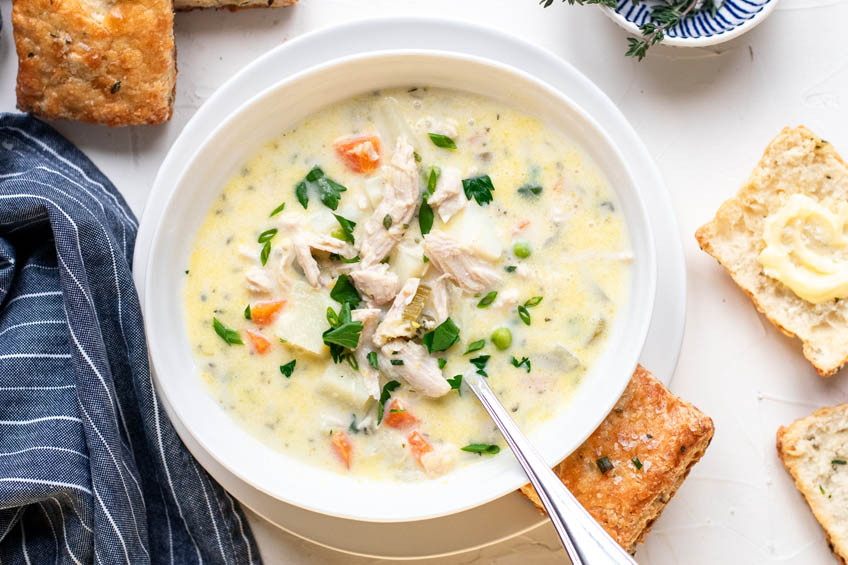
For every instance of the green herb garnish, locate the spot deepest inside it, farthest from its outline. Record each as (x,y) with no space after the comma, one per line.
(266,251)
(533,302)
(487,300)
(397,362)
(343,334)
(442,338)
(480,363)
(347,228)
(329,191)
(839,462)
(475,346)
(637,463)
(387,221)
(277,210)
(344,292)
(525,362)
(288,368)
(372,360)
(524,314)
(267,235)
(425,216)
(480,188)
(232,337)
(510,268)
(384,397)
(455,383)
(530,190)
(604,465)
(481,448)
(442,141)
(442,363)
(247,312)
(435,173)
(396,411)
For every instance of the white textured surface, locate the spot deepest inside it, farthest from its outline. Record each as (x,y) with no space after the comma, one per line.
(705,115)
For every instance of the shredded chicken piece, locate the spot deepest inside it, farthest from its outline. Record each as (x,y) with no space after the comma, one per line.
(461,264)
(258,280)
(449,196)
(370,376)
(377,282)
(440,460)
(394,324)
(305,242)
(440,298)
(419,370)
(506,298)
(400,199)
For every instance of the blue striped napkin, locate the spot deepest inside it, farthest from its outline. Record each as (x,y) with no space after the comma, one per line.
(91,469)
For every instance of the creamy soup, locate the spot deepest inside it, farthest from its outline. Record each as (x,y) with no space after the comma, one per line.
(361,265)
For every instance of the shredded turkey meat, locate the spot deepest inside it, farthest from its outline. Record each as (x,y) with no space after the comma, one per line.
(461,264)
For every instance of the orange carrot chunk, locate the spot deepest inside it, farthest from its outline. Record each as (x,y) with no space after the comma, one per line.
(360,154)
(342,447)
(398,416)
(259,341)
(264,312)
(418,445)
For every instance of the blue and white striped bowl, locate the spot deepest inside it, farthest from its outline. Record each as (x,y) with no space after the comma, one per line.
(732,19)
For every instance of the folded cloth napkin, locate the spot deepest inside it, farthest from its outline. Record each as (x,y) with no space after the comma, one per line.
(91,469)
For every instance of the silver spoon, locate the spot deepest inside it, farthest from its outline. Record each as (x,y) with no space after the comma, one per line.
(585,541)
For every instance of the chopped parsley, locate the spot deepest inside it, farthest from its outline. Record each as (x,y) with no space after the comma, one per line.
(247,315)
(510,268)
(637,463)
(839,462)
(525,362)
(442,338)
(288,368)
(337,257)
(417,156)
(384,397)
(481,448)
(232,337)
(347,228)
(344,292)
(604,465)
(455,383)
(329,191)
(343,333)
(442,141)
(475,346)
(442,363)
(372,360)
(530,190)
(435,173)
(480,188)
(397,362)
(277,210)
(524,314)
(487,300)
(387,221)
(425,216)
(480,363)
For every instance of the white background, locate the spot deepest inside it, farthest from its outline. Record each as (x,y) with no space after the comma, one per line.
(705,115)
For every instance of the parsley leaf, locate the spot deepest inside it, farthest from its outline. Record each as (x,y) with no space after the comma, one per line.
(347,228)
(442,363)
(384,397)
(530,190)
(481,448)
(344,292)
(455,383)
(475,346)
(345,334)
(480,188)
(480,363)
(442,338)
(442,141)
(329,191)
(247,315)
(372,360)
(397,361)
(232,337)
(288,368)
(524,361)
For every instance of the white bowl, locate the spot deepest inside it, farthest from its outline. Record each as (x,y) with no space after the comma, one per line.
(238,138)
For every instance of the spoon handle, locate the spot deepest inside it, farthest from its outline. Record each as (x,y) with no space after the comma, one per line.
(585,541)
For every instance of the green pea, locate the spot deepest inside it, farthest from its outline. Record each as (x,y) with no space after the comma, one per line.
(502,338)
(521,249)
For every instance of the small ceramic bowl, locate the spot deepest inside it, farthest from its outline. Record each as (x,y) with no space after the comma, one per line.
(732,19)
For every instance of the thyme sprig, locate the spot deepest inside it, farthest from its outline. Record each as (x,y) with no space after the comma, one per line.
(664,14)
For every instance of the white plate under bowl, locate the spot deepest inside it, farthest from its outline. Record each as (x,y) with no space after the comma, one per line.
(510,515)
(260,121)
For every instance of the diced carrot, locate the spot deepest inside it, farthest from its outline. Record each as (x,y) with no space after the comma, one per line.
(259,341)
(342,447)
(263,313)
(361,153)
(398,416)
(521,226)
(418,445)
